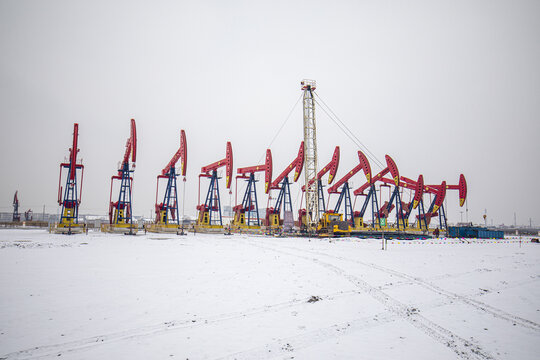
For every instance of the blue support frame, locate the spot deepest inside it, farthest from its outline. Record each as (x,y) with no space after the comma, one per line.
(322,205)
(250,201)
(171,197)
(442,214)
(442,218)
(345,195)
(422,215)
(16,215)
(372,195)
(284,197)
(70,200)
(213,202)
(396,196)
(124,198)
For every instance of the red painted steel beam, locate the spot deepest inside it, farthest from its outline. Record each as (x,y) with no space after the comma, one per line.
(434,189)
(73,152)
(440,195)
(227,162)
(417,186)
(418,191)
(331,167)
(267,168)
(391,168)
(133,141)
(297,164)
(131,144)
(363,165)
(181,153)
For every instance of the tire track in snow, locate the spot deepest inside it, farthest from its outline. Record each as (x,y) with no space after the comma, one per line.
(464,348)
(77,345)
(286,346)
(498,313)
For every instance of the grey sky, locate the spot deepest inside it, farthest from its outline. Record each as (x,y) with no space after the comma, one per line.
(444,87)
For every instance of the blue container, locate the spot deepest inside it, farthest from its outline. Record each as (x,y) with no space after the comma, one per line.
(474,232)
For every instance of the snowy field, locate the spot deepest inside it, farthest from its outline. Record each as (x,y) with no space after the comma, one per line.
(152,296)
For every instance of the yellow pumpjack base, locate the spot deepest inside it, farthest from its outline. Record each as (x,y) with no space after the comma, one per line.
(207,229)
(72,228)
(163,228)
(119,228)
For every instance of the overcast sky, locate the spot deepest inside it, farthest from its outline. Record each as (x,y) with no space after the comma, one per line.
(444,87)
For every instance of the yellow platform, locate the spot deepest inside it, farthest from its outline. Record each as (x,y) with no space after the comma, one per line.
(120,228)
(162,228)
(67,229)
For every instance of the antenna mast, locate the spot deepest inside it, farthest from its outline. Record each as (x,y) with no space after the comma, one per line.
(310,156)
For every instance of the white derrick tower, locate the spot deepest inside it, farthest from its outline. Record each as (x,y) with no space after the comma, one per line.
(310,157)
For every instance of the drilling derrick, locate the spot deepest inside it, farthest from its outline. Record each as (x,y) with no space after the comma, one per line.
(310,157)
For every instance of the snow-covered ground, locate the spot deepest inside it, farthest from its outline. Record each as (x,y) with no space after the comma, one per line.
(151,296)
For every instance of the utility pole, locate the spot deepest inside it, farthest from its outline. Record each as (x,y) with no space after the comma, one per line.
(466,211)
(310,157)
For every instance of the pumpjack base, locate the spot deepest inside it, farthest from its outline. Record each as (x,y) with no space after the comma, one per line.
(169,229)
(333,234)
(389,233)
(208,229)
(67,229)
(244,229)
(126,229)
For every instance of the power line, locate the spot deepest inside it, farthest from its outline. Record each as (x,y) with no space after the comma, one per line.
(341,125)
(281,127)
(355,140)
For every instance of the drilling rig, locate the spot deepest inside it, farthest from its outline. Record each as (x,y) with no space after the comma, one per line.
(120,211)
(310,157)
(167,213)
(69,217)
(209,218)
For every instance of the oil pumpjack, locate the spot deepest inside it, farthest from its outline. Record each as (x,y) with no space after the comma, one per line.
(167,212)
(209,218)
(120,211)
(70,196)
(246,214)
(16,215)
(273,214)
